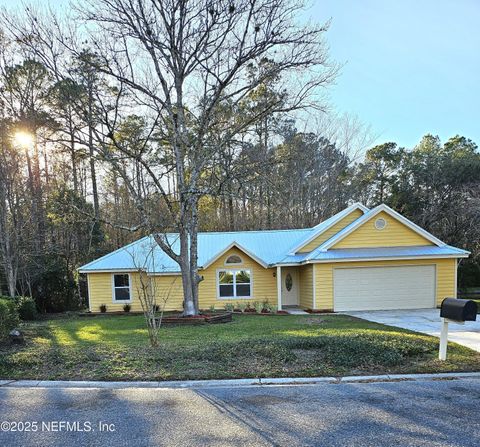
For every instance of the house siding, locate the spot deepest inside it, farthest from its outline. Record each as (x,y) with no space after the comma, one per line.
(305,275)
(445,277)
(100,292)
(264,283)
(319,240)
(395,234)
(168,288)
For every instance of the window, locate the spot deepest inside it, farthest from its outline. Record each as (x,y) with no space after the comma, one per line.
(234,283)
(121,287)
(233,259)
(288,282)
(380,223)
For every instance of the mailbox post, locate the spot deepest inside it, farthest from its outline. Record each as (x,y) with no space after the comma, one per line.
(456,311)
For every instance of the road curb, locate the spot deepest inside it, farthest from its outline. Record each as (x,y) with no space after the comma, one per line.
(236,383)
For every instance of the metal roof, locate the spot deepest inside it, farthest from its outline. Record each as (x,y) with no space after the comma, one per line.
(389,252)
(269,247)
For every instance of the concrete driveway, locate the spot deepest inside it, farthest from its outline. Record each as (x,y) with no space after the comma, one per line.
(426,321)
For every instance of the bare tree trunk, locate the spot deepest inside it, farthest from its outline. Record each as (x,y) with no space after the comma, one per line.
(231,212)
(91,149)
(8,256)
(73,157)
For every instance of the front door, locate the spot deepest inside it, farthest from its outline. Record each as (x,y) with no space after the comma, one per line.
(289,286)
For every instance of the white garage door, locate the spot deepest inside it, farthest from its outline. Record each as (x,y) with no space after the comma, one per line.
(379,288)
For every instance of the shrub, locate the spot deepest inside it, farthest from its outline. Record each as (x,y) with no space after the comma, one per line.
(9,318)
(27,309)
(103,308)
(212,308)
(258,307)
(273,308)
(126,307)
(229,307)
(242,306)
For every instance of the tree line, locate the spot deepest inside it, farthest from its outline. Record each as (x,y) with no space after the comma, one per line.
(153,121)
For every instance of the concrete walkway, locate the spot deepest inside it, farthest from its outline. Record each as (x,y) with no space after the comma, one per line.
(295,311)
(426,321)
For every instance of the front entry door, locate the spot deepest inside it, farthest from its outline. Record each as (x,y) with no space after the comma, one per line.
(289,287)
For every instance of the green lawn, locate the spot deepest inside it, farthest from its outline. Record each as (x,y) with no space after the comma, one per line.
(116,348)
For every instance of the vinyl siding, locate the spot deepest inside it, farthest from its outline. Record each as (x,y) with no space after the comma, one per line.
(305,275)
(100,292)
(170,287)
(445,277)
(319,240)
(264,283)
(169,291)
(395,234)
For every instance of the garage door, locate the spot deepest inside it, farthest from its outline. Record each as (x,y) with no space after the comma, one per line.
(379,288)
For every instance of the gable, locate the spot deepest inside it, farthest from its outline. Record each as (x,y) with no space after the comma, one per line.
(395,234)
(220,261)
(330,232)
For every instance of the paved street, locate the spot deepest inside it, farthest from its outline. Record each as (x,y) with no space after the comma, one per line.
(420,413)
(426,321)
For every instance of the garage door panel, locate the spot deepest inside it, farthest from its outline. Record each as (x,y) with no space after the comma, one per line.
(383,288)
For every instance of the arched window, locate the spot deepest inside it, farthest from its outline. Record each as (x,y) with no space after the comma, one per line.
(233,260)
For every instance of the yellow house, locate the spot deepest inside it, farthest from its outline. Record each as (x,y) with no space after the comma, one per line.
(358,259)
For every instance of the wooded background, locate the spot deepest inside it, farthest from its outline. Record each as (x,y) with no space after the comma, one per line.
(70,180)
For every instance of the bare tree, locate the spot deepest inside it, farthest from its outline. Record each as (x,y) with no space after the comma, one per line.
(153,298)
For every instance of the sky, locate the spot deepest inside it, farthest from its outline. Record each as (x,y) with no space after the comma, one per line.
(410,67)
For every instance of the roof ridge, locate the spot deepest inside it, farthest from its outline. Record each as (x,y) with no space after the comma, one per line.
(254,231)
(320,248)
(330,222)
(373,212)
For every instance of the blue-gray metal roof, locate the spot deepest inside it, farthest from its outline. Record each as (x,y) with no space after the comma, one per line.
(269,246)
(388,252)
(373,253)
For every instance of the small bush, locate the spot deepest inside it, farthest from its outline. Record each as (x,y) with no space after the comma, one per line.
(273,308)
(229,307)
(103,308)
(242,306)
(212,308)
(258,307)
(127,307)
(9,318)
(27,309)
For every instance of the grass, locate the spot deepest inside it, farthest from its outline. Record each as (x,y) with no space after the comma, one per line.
(116,348)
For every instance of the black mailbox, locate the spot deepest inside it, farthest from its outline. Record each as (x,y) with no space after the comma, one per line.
(458,310)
